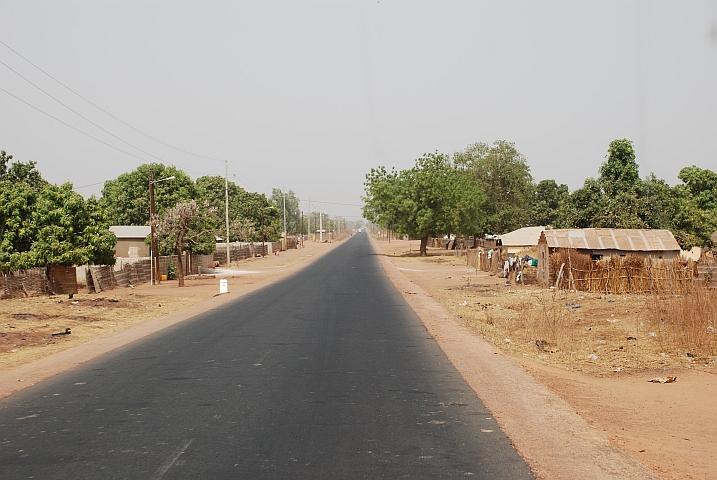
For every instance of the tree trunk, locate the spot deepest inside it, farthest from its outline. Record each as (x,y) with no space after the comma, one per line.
(180,266)
(424,244)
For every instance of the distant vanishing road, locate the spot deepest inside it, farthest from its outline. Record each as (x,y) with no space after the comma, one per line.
(326,374)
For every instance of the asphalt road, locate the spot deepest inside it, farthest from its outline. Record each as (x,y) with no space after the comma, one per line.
(326,374)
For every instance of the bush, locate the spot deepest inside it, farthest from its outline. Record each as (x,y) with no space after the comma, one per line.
(171,271)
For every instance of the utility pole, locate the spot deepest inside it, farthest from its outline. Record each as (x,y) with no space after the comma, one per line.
(226,207)
(263,237)
(153,244)
(308,223)
(285,239)
(302,228)
(321,226)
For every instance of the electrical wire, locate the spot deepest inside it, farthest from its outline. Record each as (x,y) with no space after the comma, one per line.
(73,128)
(112,116)
(105,111)
(80,115)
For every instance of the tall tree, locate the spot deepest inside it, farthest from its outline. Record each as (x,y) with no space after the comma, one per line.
(434,197)
(182,225)
(127,197)
(293,212)
(504,175)
(546,202)
(43,224)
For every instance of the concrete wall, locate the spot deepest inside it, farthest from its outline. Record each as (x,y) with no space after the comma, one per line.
(122,249)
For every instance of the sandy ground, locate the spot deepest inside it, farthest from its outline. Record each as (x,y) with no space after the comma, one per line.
(569,416)
(669,428)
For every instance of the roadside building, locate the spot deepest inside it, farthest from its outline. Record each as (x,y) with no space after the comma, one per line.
(522,240)
(130,241)
(602,243)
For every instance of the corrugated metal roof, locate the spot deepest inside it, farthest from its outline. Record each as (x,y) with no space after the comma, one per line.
(131,231)
(526,236)
(612,239)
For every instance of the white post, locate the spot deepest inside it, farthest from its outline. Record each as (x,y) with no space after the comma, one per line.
(321,227)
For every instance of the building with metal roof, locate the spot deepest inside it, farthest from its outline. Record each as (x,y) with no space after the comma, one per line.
(606,242)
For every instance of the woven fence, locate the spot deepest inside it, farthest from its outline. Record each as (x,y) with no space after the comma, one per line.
(630,274)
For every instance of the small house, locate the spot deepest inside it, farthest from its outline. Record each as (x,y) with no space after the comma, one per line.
(130,241)
(602,243)
(521,240)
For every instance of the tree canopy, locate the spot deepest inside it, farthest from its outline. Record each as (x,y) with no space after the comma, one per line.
(43,224)
(433,197)
(126,198)
(503,174)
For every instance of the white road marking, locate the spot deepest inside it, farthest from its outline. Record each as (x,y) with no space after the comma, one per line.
(257,364)
(172,460)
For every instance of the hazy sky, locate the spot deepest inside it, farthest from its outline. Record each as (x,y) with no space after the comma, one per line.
(311,95)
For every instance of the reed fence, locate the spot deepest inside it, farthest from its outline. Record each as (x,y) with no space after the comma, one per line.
(630,274)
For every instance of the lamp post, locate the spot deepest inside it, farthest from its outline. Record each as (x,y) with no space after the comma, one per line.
(152,221)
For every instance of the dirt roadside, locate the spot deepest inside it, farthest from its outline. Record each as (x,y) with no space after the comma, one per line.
(29,353)
(571,418)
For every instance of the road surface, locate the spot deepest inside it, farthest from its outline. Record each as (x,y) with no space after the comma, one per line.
(326,374)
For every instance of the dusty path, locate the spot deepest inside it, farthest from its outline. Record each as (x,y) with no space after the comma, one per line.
(555,441)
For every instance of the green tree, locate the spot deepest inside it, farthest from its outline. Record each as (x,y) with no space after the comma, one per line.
(43,224)
(293,212)
(433,197)
(126,198)
(548,198)
(69,230)
(19,172)
(581,208)
(694,212)
(175,226)
(262,213)
(504,175)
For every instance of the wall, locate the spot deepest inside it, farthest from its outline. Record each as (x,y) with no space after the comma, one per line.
(124,244)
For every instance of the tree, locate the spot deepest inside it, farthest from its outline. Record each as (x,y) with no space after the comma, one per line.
(261,212)
(433,197)
(43,224)
(503,174)
(293,212)
(581,208)
(182,225)
(694,214)
(69,230)
(19,172)
(548,198)
(126,198)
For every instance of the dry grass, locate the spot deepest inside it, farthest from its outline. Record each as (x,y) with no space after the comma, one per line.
(686,323)
(597,334)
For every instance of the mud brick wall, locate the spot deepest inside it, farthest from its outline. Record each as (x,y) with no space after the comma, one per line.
(62,280)
(102,277)
(24,283)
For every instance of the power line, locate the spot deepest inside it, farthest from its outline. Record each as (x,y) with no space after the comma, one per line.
(79,114)
(74,128)
(109,114)
(105,111)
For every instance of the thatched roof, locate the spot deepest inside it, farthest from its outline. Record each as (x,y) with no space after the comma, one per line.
(624,239)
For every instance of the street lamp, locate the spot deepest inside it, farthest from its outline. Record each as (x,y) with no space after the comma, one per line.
(154,244)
